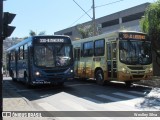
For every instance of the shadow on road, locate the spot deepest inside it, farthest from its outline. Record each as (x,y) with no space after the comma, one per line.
(87,90)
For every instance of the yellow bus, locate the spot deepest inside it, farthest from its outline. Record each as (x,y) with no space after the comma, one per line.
(119,56)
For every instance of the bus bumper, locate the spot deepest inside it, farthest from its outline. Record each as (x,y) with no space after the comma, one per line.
(136,77)
(52,79)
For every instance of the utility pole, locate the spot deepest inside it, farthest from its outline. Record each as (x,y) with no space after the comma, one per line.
(93,20)
(1,55)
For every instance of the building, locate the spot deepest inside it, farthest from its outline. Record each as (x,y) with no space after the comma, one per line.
(128,19)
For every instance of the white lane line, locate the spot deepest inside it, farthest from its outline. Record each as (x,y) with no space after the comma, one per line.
(48,107)
(109,97)
(139,93)
(125,95)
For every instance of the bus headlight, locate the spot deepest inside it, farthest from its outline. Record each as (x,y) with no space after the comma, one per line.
(124,70)
(69,71)
(150,69)
(37,73)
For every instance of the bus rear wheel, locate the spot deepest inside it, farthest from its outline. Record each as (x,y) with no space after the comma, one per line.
(99,77)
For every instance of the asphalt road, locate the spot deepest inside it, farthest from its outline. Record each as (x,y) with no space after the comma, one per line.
(78,95)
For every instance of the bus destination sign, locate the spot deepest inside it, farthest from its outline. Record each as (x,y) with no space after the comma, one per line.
(132,36)
(51,40)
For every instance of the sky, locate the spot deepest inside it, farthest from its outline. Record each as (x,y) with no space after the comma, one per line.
(55,15)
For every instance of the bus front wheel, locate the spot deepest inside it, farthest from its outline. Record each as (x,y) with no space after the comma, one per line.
(128,83)
(99,77)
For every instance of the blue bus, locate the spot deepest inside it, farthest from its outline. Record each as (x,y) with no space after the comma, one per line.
(41,60)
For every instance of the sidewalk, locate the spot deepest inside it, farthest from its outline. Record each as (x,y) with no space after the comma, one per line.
(154,82)
(13,101)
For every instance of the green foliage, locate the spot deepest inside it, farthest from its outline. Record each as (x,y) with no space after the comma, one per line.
(32,33)
(85,31)
(42,33)
(150,24)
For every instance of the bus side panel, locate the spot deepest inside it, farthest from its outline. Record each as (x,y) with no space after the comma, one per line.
(22,67)
(88,68)
(81,70)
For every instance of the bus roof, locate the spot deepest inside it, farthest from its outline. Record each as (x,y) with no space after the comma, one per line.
(104,35)
(29,39)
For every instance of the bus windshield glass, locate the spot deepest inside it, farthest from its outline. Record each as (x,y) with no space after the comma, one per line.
(134,52)
(56,55)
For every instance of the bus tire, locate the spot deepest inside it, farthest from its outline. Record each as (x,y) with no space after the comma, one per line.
(128,84)
(99,77)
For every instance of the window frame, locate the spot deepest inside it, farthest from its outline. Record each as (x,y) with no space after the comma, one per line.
(88,54)
(103,47)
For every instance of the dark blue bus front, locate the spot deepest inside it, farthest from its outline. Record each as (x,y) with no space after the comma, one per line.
(52,60)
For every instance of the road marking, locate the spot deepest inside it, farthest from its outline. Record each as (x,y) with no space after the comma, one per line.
(109,97)
(135,92)
(48,107)
(125,95)
(74,105)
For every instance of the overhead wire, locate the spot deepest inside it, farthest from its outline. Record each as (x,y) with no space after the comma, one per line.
(109,3)
(80,17)
(86,13)
(83,9)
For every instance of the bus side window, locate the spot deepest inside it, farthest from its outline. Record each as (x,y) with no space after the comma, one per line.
(21,53)
(114,50)
(25,51)
(77,53)
(99,47)
(12,56)
(108,51)
(88,49)
(81,50)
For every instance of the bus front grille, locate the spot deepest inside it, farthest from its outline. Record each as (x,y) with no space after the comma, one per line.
(135,67)
(55,71)
(138,72)
(138,76)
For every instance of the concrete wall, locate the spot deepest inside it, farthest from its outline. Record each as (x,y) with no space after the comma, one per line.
(130,25)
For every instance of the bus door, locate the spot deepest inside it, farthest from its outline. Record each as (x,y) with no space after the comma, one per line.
(111,60)
(30,60)
(76,61)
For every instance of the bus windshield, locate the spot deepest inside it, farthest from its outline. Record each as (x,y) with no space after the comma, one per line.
(134,52)
(56,55)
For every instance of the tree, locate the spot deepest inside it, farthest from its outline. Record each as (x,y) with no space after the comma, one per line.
(85,31)
(150,24)
(42,33)
(32,33)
